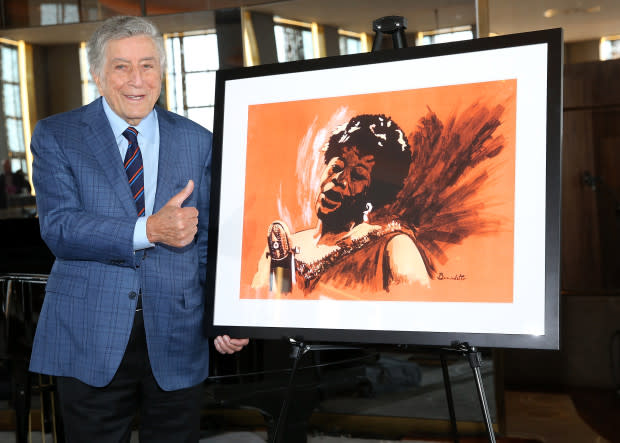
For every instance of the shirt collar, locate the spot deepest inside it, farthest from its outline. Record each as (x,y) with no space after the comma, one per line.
(147,127)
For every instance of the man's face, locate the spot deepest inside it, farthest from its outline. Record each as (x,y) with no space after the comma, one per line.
(131,80)
(344,186)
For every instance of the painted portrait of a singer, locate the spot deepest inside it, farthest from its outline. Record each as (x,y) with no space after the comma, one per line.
(396,196)
(366,163)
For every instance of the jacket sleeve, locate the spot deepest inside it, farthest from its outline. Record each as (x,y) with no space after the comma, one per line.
(69,230)
(203,219)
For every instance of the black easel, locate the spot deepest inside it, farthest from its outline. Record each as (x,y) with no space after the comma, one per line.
(396,25)
(298,351)
(473,356)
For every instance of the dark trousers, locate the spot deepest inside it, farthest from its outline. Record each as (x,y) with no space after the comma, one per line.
(106,415)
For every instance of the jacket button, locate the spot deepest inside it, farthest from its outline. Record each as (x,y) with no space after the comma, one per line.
(132,295)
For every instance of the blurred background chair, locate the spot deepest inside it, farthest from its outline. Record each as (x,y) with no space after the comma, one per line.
(21,299)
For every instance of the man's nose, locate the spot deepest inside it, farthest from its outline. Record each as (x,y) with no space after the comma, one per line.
(135,77)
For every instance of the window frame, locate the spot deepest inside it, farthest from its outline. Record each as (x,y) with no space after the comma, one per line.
(22,156)
(169,76)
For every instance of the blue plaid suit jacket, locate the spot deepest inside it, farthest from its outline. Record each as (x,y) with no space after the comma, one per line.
(87,217)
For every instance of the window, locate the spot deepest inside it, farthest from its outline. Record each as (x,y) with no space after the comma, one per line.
(444,35)
(190,77)
(609,48)
(58,13)
(351,42)
(12,130)
(293,40)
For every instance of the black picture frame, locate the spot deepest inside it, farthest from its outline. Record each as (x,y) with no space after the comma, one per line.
(229,313)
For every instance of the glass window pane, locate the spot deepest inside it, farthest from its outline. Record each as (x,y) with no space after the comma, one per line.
(609,49)
(171,93)
(175,79)
(453,36)
(192,62)
(307,48)
(10,98)
(177,93)
(292,43)
(444,37)
(18,164)
(605,50)
(58,13)
(9,64)
(90,91)
(93,92)
(15,135)
(350,45)
(200,89)
(170,65)
(89,10)
(105,9)
(280,42)
(200,53)
(202,116)
(176,48)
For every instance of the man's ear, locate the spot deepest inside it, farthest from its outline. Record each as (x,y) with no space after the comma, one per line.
(97,81)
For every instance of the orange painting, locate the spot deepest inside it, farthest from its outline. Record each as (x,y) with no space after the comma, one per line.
(424,214)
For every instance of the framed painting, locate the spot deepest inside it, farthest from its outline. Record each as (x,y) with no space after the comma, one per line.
(402,196)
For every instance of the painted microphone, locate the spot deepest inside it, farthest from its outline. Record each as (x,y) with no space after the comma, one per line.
(282,256)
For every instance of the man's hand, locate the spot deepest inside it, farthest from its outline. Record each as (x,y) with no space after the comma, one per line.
(226,345)
(174,225)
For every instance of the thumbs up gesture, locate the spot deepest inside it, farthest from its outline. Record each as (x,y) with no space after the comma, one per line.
(173,225)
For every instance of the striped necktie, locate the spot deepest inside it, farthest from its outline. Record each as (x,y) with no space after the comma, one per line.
(134,169)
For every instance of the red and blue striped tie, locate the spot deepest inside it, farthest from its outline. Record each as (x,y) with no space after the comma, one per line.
(134,168)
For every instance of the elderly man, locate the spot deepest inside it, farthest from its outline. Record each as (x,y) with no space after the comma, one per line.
(123,197)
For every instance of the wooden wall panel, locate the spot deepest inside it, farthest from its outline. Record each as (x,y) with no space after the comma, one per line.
(590,261)
(580,256)
(593,84)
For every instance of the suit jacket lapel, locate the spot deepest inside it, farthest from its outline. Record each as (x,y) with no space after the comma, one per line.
(166,183)
(103,145)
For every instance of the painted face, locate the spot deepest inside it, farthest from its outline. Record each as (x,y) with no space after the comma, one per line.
(131,80)
(344,185)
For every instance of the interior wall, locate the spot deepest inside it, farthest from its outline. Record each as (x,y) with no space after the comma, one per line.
(579,52)
(265,37)
(332,41)
(229,42)
(57,79)
(590,188)
(590,263)
(588,324)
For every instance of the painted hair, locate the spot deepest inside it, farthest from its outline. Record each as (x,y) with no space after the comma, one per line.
(381,137)
(116,28)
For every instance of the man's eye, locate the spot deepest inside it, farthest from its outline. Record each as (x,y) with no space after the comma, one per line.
(120,67)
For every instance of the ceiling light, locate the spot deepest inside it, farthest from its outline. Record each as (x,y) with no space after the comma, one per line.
(549,13)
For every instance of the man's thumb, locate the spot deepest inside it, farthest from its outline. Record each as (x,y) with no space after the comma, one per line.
(178,199)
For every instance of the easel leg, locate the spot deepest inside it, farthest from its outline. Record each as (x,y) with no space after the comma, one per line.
(448,387)
(299,349)
(474,361)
